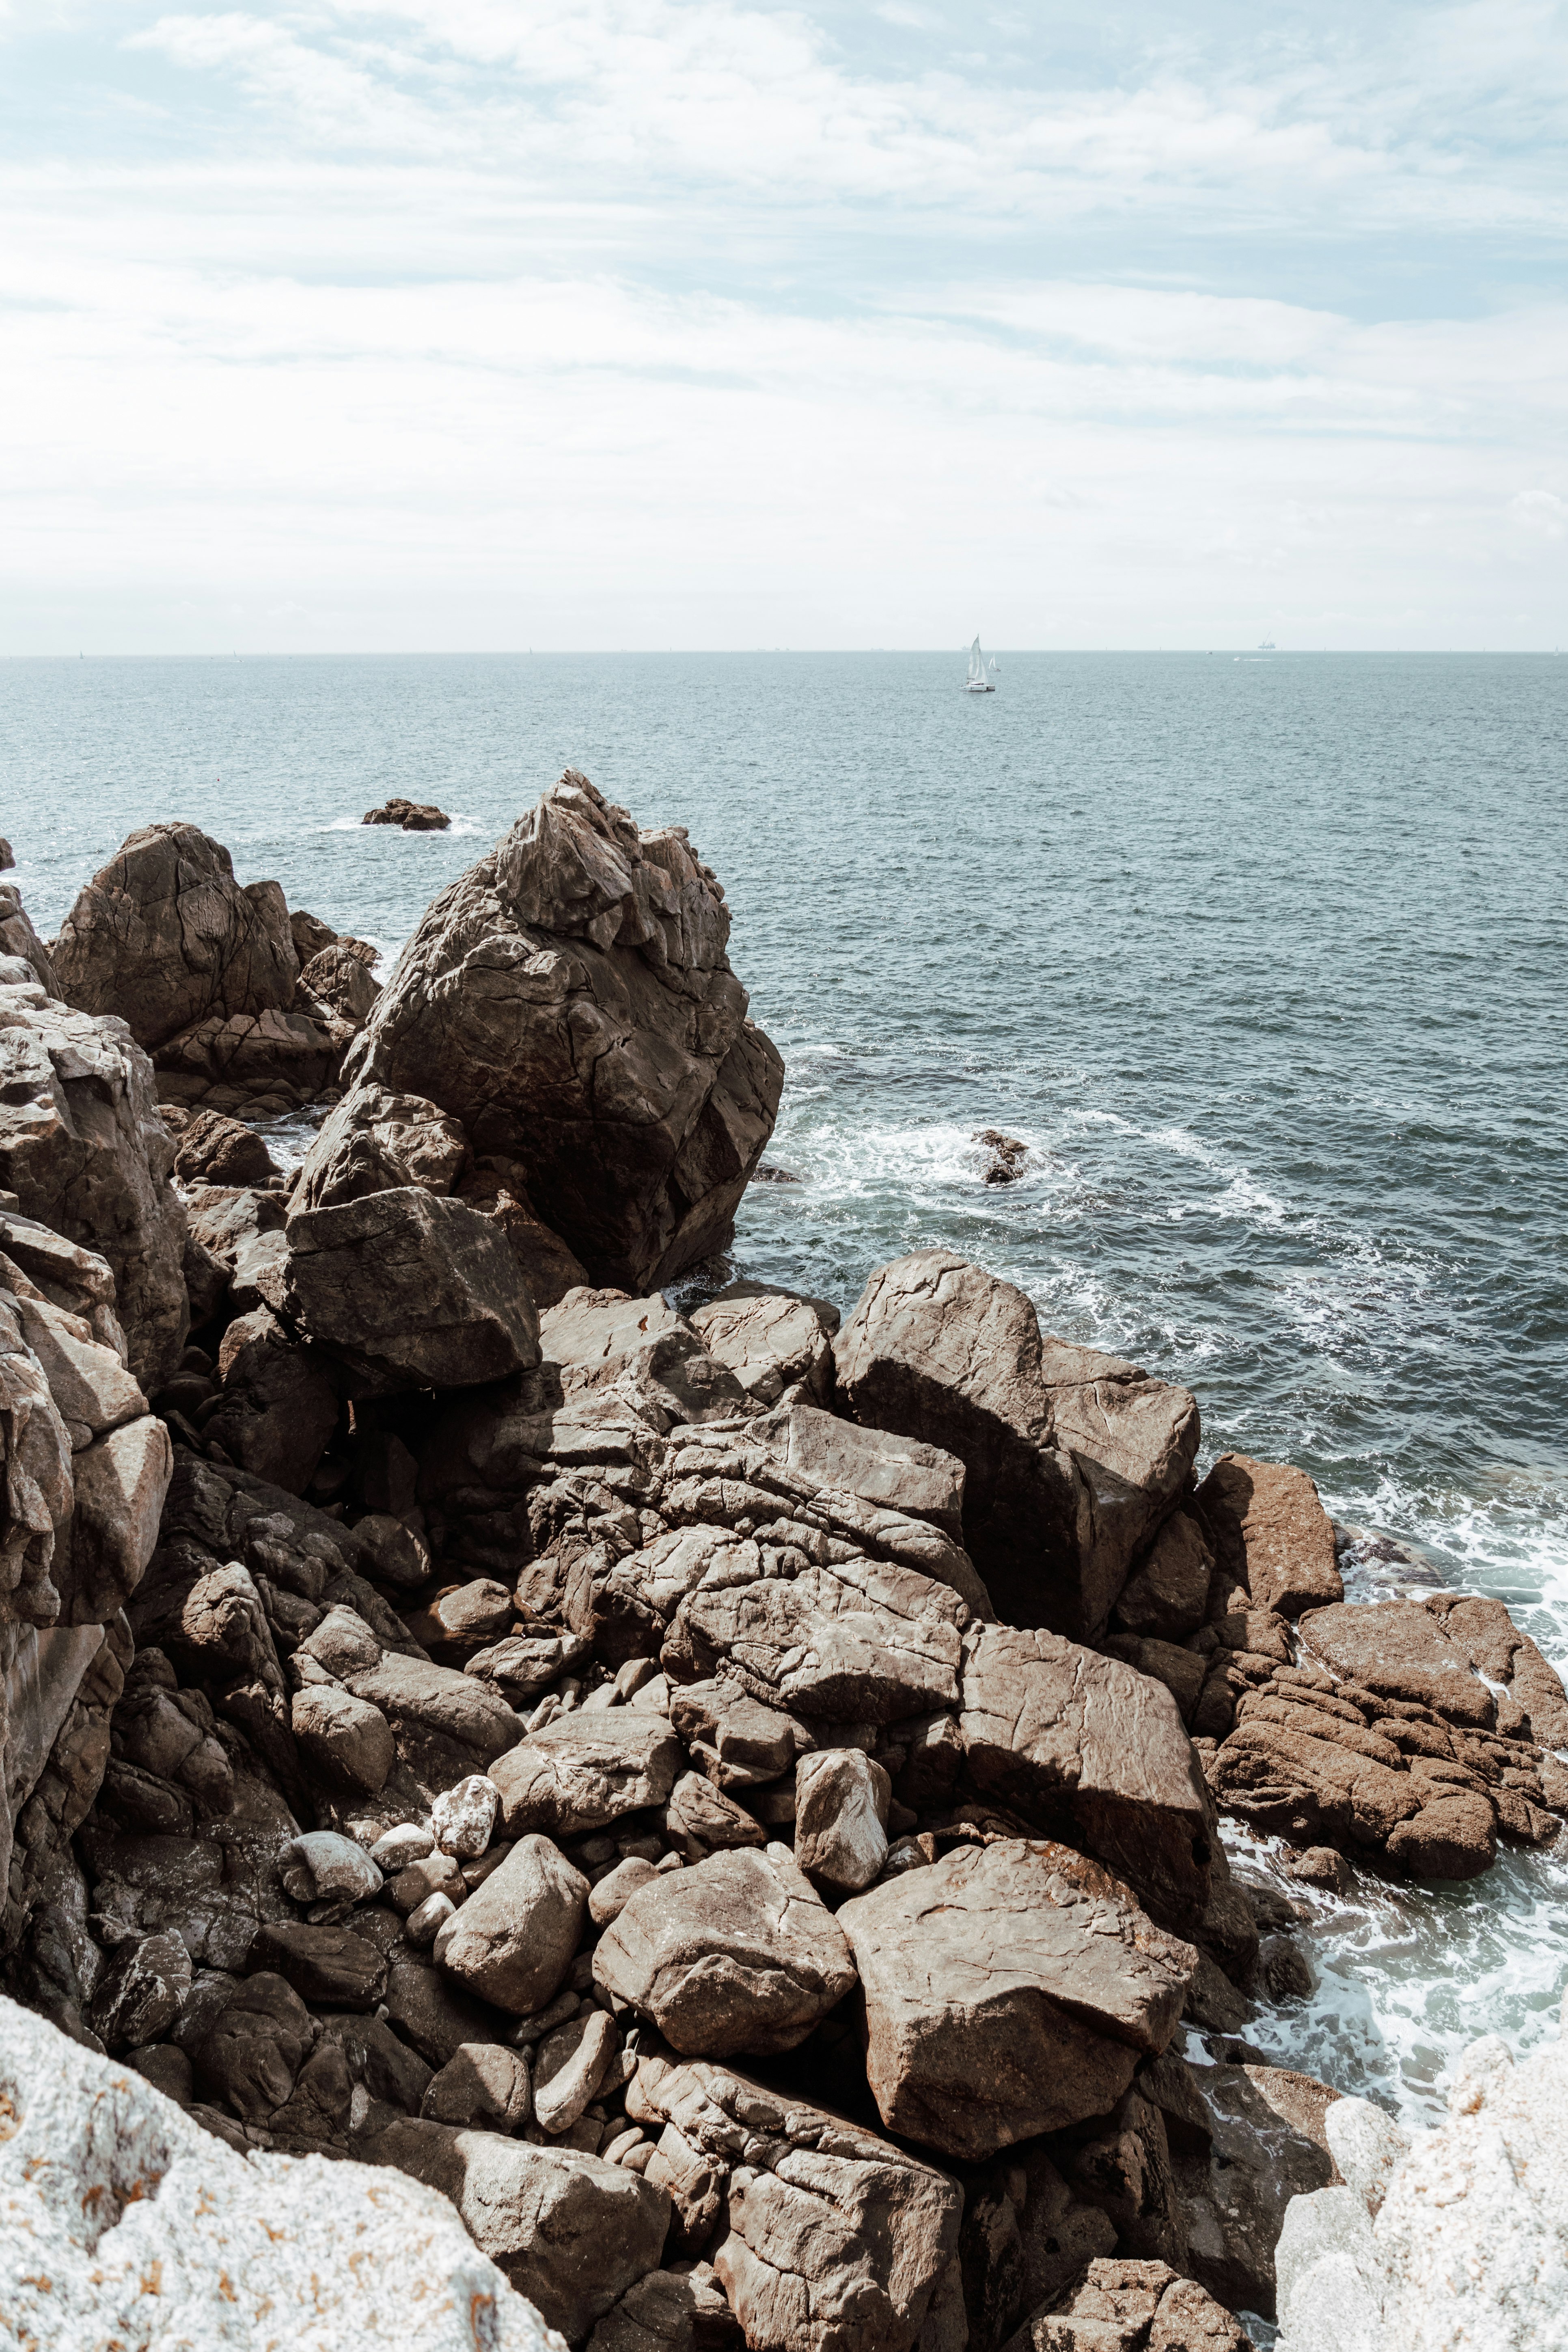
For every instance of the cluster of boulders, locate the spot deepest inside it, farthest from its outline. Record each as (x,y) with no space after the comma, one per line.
(729,1798)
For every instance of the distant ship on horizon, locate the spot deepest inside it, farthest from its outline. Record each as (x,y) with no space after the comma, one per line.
(977,682)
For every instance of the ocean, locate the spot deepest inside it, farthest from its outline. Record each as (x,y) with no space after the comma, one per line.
(1263,956)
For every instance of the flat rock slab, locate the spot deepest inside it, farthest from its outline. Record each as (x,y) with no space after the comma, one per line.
(862,1642)
(584,1771)
(829,2235)
(1085,1746)
(737,1954)
(881,1468)
(409,1289)
(569,2232)
(1270,1533)
(1009,1990)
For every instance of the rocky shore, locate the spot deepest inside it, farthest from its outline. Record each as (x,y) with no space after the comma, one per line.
(730,1800)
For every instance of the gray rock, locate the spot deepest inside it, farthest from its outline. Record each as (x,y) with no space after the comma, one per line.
(512,1941)
(737,1741)
(407,1290)
(142,1991)
(601,1042)
(323,1865)
(841,1800)
(771,1340)
(881,1468)
(483,2086)
(582,1771)
(670,2311)
(1009,1990)
(570,2067)
(736,1954)
(463,1819)
(432,2014)
(346,1739)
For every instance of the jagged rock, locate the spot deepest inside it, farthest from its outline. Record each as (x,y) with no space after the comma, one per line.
(584,1771)
(826,2235)
(123,2220)
(142,1991)
(1072,1458)
(571,2232)
(841,1800)
(406,1289)
(1234,2193)
(340,977)
(512,1941)
(921,1481)
(1271,1536)
(670,2311)
(76,1279)
(771,1340)
(1084,1747)
(445,1725)
(1124,2305)
(602,1043)
(548,1268)
(1009,1990)
(738,1953)
(120,1482)
(83,1149)
(738,1742)
(19,939)
(484,2087)
(414,816)
(212,1149)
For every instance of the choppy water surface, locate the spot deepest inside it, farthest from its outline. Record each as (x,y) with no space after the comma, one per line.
(1263,957)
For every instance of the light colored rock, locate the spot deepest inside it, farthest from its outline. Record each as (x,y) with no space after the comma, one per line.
(841,1800)
(738,1953)
(771,1340)
(120,1482)
(484,2086)
(406,1289)
(1330,2281)
(1367,2144)
(611,1894)
(407,1842)
(570,1003)
(581,1772)
(322,1864)
(881,1468)
(570,2067)
(123,2221)
(1009,1990)
(463,1820)
(512,1941)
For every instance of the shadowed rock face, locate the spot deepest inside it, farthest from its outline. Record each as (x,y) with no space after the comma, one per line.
(569,1002)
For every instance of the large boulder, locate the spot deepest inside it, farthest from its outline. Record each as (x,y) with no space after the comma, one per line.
(1271,1535)
(512,1942)
(1009,1990)
(881,1468)
(83,1149)
(407,1290)
(115,2207)
(582,1771)
(1085,1749)
(738,1953)
(1072,1458)
(823,2234)
(569,1001)
(771,1339)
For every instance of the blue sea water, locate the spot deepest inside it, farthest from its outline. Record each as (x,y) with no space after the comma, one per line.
(1264,957)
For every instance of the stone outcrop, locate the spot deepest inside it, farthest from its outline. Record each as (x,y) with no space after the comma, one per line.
(1072,1459)
(1271,1536)
(126,2222)
(569,1003)
(414,816)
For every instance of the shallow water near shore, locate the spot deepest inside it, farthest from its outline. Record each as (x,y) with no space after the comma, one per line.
(1263,957)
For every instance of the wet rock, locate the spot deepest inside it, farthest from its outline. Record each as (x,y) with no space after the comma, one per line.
(841,1818)
(414,816)
(482,2087)
(1009,1990)
(406,1289)
(1072,1458)
(1233,2195)
(1270,1533)
(1005,1156)
(736,1954)
(1322,1866)
(512,1941)
(1084,1746)
(330,1966)
(571,2232)
(343,1739)
(602,1045)
(826,2234)
(771,1339)
(582,1771)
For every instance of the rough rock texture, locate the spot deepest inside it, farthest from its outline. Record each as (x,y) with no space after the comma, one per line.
(84,1150)
(404,1288)
(737,1954)
(1462,2243)
(582,1772)
(1137,2307)
(570,1003)
(1072,1458)
(882,1468)
(414,816)
(123,2220)
(771,1339)
(1086,1747)
(512,1943)
(1009,1990)
(822,2234)
(1270,1534)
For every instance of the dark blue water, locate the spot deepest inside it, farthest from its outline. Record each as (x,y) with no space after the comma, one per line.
(1265,957)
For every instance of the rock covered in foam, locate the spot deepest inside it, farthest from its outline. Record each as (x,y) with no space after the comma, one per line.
(123,2221)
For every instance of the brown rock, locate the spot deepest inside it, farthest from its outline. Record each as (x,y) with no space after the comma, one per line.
(212,1149)
(414,816)
(548,1268)
(1270,1533)
(1166,1595)
(736,1954)
(1125,2305)
(841,1818)
(1072,1458)
(407,1290)
(257,2041)
(344,1739)
(771,1340)
(339,977)
(1181,1672)
(880,1467)
(1008,1991)
(330,1966)
(512,1942)
(278,1409)
(1086,1747)
(570,2067)
(737,1741)
(700,1820)
(602,1043)
(483,2086)
(670,2311)
(585,1770)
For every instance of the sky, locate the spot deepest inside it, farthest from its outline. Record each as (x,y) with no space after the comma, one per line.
(466,324)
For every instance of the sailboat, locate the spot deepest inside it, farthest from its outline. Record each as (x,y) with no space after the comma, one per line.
(977,682)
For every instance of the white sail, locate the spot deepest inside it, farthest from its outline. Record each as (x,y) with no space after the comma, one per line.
(976,665)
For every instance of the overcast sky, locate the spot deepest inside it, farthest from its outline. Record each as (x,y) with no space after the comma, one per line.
(456,324)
